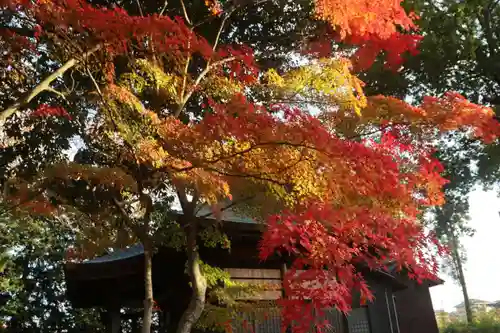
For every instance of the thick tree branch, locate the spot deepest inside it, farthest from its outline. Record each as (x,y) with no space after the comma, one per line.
(493,4)
(43,86)
(250,176)
(188,207)
(485,21)
(25,32)
(138,231)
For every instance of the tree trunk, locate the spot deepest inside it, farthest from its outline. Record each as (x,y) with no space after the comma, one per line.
(148,290)
(461,277)
(147,205)
(198,284)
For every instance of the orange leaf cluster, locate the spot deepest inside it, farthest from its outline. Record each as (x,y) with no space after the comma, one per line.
(374,26)
(453,111)
(376,18)
(214,7)
(450,112)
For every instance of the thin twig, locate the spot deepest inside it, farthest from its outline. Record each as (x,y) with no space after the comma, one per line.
(95,83)
(164,8)
(127,144)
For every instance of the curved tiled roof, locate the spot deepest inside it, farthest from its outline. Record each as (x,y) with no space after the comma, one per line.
(138,250)
(130,252)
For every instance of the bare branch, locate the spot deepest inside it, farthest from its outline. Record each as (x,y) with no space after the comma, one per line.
(43,86)
(164,8)
(200,77)
(57,92)
(220,30)
(185,12)
(96,85)
(139,7)
(184,78)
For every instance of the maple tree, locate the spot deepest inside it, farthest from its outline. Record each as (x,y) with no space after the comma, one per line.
(339,177)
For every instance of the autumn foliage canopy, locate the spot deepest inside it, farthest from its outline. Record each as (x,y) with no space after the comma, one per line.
(340,178)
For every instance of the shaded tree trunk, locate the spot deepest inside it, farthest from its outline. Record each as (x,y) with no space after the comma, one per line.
(147,205)
(148,290)
(198,284)
(460,275)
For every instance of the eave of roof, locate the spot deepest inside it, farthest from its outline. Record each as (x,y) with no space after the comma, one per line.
(233,221)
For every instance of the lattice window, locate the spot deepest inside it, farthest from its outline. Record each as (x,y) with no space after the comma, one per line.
(259,323)
(358,321)
(272,322)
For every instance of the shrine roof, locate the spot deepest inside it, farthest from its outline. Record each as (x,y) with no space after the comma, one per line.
(132,251)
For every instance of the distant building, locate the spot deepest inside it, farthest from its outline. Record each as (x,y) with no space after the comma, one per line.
(476,305)
(495,305)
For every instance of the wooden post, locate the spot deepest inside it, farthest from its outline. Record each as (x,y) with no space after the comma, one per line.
(283,270)
(135,324)
(163,318)
(345,323)
(166,321)
(114,319)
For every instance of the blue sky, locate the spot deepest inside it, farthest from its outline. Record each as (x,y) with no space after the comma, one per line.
(482,270)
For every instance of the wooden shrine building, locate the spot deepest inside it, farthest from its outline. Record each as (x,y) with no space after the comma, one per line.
(115,282)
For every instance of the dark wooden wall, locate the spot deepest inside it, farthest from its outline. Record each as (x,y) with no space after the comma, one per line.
(378,310)
(415,311)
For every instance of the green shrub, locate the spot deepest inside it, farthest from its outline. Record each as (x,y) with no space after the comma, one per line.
(488,322)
